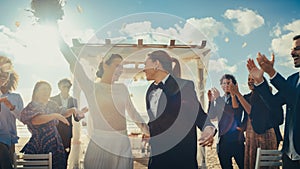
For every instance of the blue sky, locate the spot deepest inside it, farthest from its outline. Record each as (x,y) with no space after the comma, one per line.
(235,30)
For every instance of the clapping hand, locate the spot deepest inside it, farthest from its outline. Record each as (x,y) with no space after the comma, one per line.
(209,95)
(254,71)
(234,89)
(266,64)
(213,94)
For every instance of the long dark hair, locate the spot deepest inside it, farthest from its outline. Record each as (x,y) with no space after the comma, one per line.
(167,62)
(108,61)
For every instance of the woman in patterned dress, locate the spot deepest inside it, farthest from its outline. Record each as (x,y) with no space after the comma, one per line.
(41,117)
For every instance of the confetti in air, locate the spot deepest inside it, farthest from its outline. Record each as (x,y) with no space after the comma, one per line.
(79,9)
(244,44)
(226,39)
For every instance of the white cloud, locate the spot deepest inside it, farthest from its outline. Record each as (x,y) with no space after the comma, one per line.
(281,45)
(136,28)
(244,20)
(192,32)
(293,27)
(289,62)
(220,65)
(202,29)
(276,31)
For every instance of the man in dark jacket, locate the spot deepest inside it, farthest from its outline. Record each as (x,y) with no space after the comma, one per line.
(65,100)
(289,94)
(174,112)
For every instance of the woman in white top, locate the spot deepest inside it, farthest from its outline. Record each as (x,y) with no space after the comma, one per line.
(109,145)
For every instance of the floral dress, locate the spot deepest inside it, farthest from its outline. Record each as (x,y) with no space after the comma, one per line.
(45,137)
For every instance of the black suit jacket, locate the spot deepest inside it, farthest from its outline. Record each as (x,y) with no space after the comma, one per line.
(263,116)
(288,93)
(64,130)
(173,131)
(228,119)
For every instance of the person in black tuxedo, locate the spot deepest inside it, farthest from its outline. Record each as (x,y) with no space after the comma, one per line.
(289,94)
(65,100)
(174,112)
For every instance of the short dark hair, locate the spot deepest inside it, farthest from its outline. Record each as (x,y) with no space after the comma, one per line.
(63,81)
(296,37)
(228,76)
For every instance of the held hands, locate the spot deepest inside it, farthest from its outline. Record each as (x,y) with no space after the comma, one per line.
(207,136)
(145,129)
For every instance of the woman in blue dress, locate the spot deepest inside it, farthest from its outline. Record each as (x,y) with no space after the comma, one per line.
(41,117)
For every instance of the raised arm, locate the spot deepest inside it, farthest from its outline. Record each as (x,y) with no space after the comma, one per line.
(76,68)
(45,118)
(235,90)
(217,104)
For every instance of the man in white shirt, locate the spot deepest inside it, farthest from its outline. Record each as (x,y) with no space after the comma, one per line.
(65,100)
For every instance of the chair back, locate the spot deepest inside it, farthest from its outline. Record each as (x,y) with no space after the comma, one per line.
(33,161)
(268,158)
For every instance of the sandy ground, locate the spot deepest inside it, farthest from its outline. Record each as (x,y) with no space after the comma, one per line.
(212,161)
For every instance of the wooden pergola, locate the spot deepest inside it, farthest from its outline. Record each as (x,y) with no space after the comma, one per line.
(193,59)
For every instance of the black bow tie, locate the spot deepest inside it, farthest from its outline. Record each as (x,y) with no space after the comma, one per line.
(159,85)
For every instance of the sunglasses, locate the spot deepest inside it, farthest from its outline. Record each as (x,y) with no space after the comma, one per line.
(296,48)
(66,86)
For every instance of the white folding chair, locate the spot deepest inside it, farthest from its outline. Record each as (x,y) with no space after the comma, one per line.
(268,158)
(33,161)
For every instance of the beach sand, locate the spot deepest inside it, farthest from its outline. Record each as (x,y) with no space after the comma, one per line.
(212,161)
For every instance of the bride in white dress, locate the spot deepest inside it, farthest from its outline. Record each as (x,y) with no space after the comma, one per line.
(109,146)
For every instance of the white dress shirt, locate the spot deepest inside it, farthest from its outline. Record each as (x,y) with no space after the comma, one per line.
(154,97)
(64,102)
